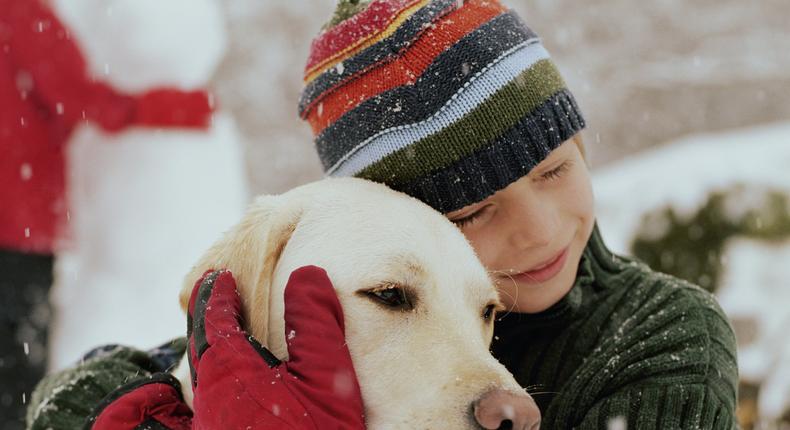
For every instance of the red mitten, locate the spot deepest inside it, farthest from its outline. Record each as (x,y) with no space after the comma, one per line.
(238,383)
(166,107)
(153,402)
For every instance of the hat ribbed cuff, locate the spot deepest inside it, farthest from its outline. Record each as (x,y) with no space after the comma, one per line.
(507,159)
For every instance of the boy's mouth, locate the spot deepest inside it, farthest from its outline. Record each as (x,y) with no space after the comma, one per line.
(544,271)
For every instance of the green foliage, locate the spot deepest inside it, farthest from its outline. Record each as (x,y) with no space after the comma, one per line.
(692,247)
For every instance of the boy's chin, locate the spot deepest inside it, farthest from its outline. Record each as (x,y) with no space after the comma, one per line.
(535,298)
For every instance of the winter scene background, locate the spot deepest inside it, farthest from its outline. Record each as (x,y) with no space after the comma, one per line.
(688,140)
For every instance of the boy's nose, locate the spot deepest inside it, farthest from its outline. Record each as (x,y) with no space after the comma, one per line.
(534,229)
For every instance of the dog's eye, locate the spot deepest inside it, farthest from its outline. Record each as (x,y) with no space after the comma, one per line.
(488,312)
(392,297)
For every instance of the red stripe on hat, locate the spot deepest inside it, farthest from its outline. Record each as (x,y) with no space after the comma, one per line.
(405,69)
(374,19)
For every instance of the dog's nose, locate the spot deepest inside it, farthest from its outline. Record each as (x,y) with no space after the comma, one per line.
(505,410)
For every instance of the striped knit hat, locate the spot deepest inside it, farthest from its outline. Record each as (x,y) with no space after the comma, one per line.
(448,101)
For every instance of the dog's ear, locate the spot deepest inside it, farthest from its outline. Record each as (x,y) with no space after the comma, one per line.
(250,250)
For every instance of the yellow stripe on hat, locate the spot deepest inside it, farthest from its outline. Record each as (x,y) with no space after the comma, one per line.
(364,42)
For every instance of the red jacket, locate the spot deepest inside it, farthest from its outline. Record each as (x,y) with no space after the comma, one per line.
(45,92)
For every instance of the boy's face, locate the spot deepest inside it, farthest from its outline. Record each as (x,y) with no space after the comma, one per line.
(531,235)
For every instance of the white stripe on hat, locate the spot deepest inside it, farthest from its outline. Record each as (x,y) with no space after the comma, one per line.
(479,88)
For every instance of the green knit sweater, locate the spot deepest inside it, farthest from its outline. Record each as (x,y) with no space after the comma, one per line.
(626,344)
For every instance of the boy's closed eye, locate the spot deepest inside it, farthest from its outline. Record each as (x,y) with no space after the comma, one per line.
(551,175)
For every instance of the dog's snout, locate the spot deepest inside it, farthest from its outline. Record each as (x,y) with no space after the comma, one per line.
(505,410)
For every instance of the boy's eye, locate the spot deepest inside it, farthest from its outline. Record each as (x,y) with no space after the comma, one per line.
(469,219)
(466,220)
(556,172)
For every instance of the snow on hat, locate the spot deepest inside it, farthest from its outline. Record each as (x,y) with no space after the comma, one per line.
(448,101)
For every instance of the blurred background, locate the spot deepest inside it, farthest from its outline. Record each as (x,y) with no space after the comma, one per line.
(643,73)
(688,111)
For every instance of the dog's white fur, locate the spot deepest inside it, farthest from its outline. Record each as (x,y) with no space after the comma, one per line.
(417,369)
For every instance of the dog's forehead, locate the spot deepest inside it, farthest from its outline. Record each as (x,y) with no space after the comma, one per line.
(368,209)
(412,240)
(369,233)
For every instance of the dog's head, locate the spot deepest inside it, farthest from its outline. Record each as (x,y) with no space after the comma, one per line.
(417,303)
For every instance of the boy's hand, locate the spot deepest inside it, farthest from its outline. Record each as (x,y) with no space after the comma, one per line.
(238,383)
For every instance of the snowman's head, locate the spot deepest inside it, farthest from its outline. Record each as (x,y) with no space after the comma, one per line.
(139,44)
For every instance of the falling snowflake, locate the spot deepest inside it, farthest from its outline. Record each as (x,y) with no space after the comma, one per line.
(25,171)
(617,423)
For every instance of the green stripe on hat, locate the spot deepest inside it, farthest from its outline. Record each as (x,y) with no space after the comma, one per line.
(483,124)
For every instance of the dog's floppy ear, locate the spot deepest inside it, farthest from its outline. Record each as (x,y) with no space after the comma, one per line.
(250,250)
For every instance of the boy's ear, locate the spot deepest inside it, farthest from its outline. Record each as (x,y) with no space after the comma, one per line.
(250,250)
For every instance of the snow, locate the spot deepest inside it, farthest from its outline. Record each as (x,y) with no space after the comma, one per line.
(742,201)
(343,384)
(682,173)
(617,423)
(755,288)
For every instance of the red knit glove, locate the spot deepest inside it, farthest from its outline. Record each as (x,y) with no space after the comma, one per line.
(238,384)
(153,402)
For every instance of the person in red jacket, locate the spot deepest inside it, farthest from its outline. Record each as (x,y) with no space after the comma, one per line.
(46,92)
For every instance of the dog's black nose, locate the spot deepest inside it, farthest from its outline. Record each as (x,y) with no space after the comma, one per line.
(503,410)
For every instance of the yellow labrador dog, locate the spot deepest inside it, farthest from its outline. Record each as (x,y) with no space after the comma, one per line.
(423,364)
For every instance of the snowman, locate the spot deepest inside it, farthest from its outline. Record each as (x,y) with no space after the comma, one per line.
(147,201)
